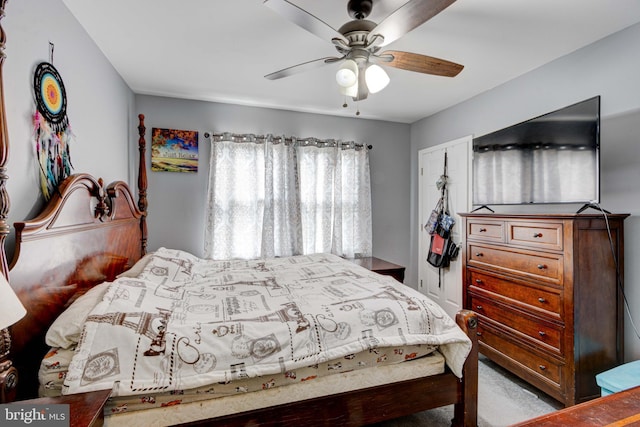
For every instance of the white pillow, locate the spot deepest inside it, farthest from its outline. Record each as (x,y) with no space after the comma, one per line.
(137,268)
(65,330)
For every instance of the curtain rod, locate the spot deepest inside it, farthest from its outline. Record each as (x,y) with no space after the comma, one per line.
(208,135)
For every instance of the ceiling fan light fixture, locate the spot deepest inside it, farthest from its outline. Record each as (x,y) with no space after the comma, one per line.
(351,91)
(347,74)
(376,78)
(360,41)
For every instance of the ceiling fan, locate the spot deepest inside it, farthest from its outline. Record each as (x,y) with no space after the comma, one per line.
(360,41)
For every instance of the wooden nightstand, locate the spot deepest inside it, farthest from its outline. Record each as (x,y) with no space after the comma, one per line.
(381,267)
(85,409)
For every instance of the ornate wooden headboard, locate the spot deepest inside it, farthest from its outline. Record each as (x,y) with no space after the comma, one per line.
(87,234)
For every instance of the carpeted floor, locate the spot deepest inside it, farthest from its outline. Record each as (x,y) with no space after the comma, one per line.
(503,399)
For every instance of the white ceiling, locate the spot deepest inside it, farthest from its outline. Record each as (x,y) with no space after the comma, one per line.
(220,50)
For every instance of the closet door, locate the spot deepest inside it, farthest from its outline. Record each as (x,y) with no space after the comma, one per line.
(443,286)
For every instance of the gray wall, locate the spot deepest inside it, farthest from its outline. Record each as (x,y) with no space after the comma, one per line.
(177,200)
(100,104)
(610,68)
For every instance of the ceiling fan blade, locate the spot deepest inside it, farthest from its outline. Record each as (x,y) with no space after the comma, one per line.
(305,66)
(407,17)
(304,19)
(418,63)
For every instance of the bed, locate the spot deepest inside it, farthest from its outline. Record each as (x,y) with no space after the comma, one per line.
(90,233)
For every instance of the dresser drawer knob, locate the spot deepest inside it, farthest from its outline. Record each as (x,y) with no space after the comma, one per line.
(478,307)
(542,333)
(542,367)
(542,300)
(541,266)
(479,334)
(537,235)
(479,254)
(482,230)
(479,281)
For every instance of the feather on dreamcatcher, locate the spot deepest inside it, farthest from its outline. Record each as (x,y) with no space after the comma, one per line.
(51,128)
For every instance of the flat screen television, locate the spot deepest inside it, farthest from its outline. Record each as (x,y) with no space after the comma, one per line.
(553,158)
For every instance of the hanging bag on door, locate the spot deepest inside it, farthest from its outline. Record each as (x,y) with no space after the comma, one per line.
(432,223)
(442,249)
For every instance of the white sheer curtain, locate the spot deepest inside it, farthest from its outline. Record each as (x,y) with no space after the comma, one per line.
(273,196)
(252,201)
(335,198)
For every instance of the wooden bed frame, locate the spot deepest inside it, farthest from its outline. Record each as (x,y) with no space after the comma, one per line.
(89,233)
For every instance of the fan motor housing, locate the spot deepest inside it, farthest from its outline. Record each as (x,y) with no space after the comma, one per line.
(356,31)
(359,9)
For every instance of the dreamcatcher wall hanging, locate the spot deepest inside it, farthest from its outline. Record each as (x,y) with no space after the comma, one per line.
(51,127)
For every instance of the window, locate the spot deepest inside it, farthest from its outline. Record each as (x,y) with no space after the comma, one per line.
(273,196)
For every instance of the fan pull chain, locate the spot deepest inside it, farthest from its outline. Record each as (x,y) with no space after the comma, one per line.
(345,105)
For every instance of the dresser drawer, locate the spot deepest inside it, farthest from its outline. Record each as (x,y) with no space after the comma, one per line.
(533,298)
(543,235)
(488,231)
(539,266)
(542,333)
(549,369)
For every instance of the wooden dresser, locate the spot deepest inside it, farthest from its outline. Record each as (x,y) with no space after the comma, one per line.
(547,291)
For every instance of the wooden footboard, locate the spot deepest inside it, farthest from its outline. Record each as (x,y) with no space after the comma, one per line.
(466,410)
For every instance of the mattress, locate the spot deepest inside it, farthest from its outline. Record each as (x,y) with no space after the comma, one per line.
(180,411)
(54,366)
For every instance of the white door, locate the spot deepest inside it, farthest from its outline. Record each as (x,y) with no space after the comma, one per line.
(444,286)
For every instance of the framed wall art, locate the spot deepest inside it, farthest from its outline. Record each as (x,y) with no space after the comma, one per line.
(174,150)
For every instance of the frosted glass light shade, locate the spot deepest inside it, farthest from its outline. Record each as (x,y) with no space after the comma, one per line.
(347,75)
(351,91)
(376,78)
(11,309)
